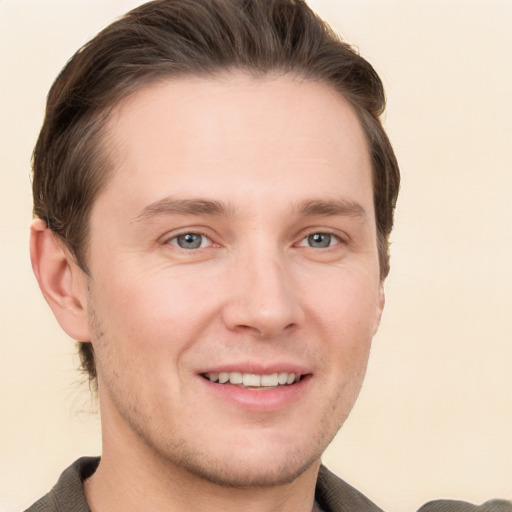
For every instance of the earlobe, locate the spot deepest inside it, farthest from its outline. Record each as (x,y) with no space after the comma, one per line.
(61,281)
(381,300)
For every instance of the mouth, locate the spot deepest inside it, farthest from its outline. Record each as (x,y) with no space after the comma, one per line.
(252,380)
(255,392)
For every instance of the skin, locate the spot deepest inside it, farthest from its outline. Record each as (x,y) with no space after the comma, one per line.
(254,168)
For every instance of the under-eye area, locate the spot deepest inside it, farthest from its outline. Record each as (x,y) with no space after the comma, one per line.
(252,380)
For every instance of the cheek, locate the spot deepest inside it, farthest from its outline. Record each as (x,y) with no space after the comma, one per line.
(345,312)
(346,305)
(153,311)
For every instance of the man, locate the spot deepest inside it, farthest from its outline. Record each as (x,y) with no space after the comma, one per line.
(214,193)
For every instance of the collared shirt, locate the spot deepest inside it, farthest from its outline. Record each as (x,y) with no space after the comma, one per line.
(331,495)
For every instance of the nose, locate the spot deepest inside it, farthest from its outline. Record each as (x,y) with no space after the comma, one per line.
(262,297)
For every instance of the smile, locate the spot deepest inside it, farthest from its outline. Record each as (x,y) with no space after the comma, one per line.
(253,380)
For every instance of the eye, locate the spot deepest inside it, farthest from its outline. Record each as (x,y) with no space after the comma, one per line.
(190,241)
(319,240)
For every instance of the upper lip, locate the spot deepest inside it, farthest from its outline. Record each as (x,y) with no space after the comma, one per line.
(258,368)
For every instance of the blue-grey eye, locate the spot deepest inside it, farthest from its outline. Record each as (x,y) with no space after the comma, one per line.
(321,240)
(190,241)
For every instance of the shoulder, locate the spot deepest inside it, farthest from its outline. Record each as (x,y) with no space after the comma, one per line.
(68,493)
(335,495)
(463,506)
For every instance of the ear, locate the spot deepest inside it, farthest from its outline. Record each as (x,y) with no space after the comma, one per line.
(62,282)
(381,300)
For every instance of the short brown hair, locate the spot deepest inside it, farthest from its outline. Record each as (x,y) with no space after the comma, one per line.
(166,38)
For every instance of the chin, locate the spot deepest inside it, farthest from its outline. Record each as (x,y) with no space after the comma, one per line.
(252,474)
(254,460)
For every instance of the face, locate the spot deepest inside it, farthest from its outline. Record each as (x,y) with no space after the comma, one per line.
(235,284)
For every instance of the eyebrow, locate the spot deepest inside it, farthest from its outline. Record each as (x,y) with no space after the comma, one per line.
(337,207)
(306,208)
(175,206)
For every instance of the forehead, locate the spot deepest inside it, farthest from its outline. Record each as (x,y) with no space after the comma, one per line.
(239,136)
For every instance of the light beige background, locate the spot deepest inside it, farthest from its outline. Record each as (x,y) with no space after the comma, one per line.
(435,415)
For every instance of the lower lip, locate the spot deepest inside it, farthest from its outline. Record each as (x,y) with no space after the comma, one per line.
(259,399)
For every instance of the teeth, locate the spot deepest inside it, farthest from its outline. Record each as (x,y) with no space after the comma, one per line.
(236,378)
(269,380)
(282,378)
(253,380)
